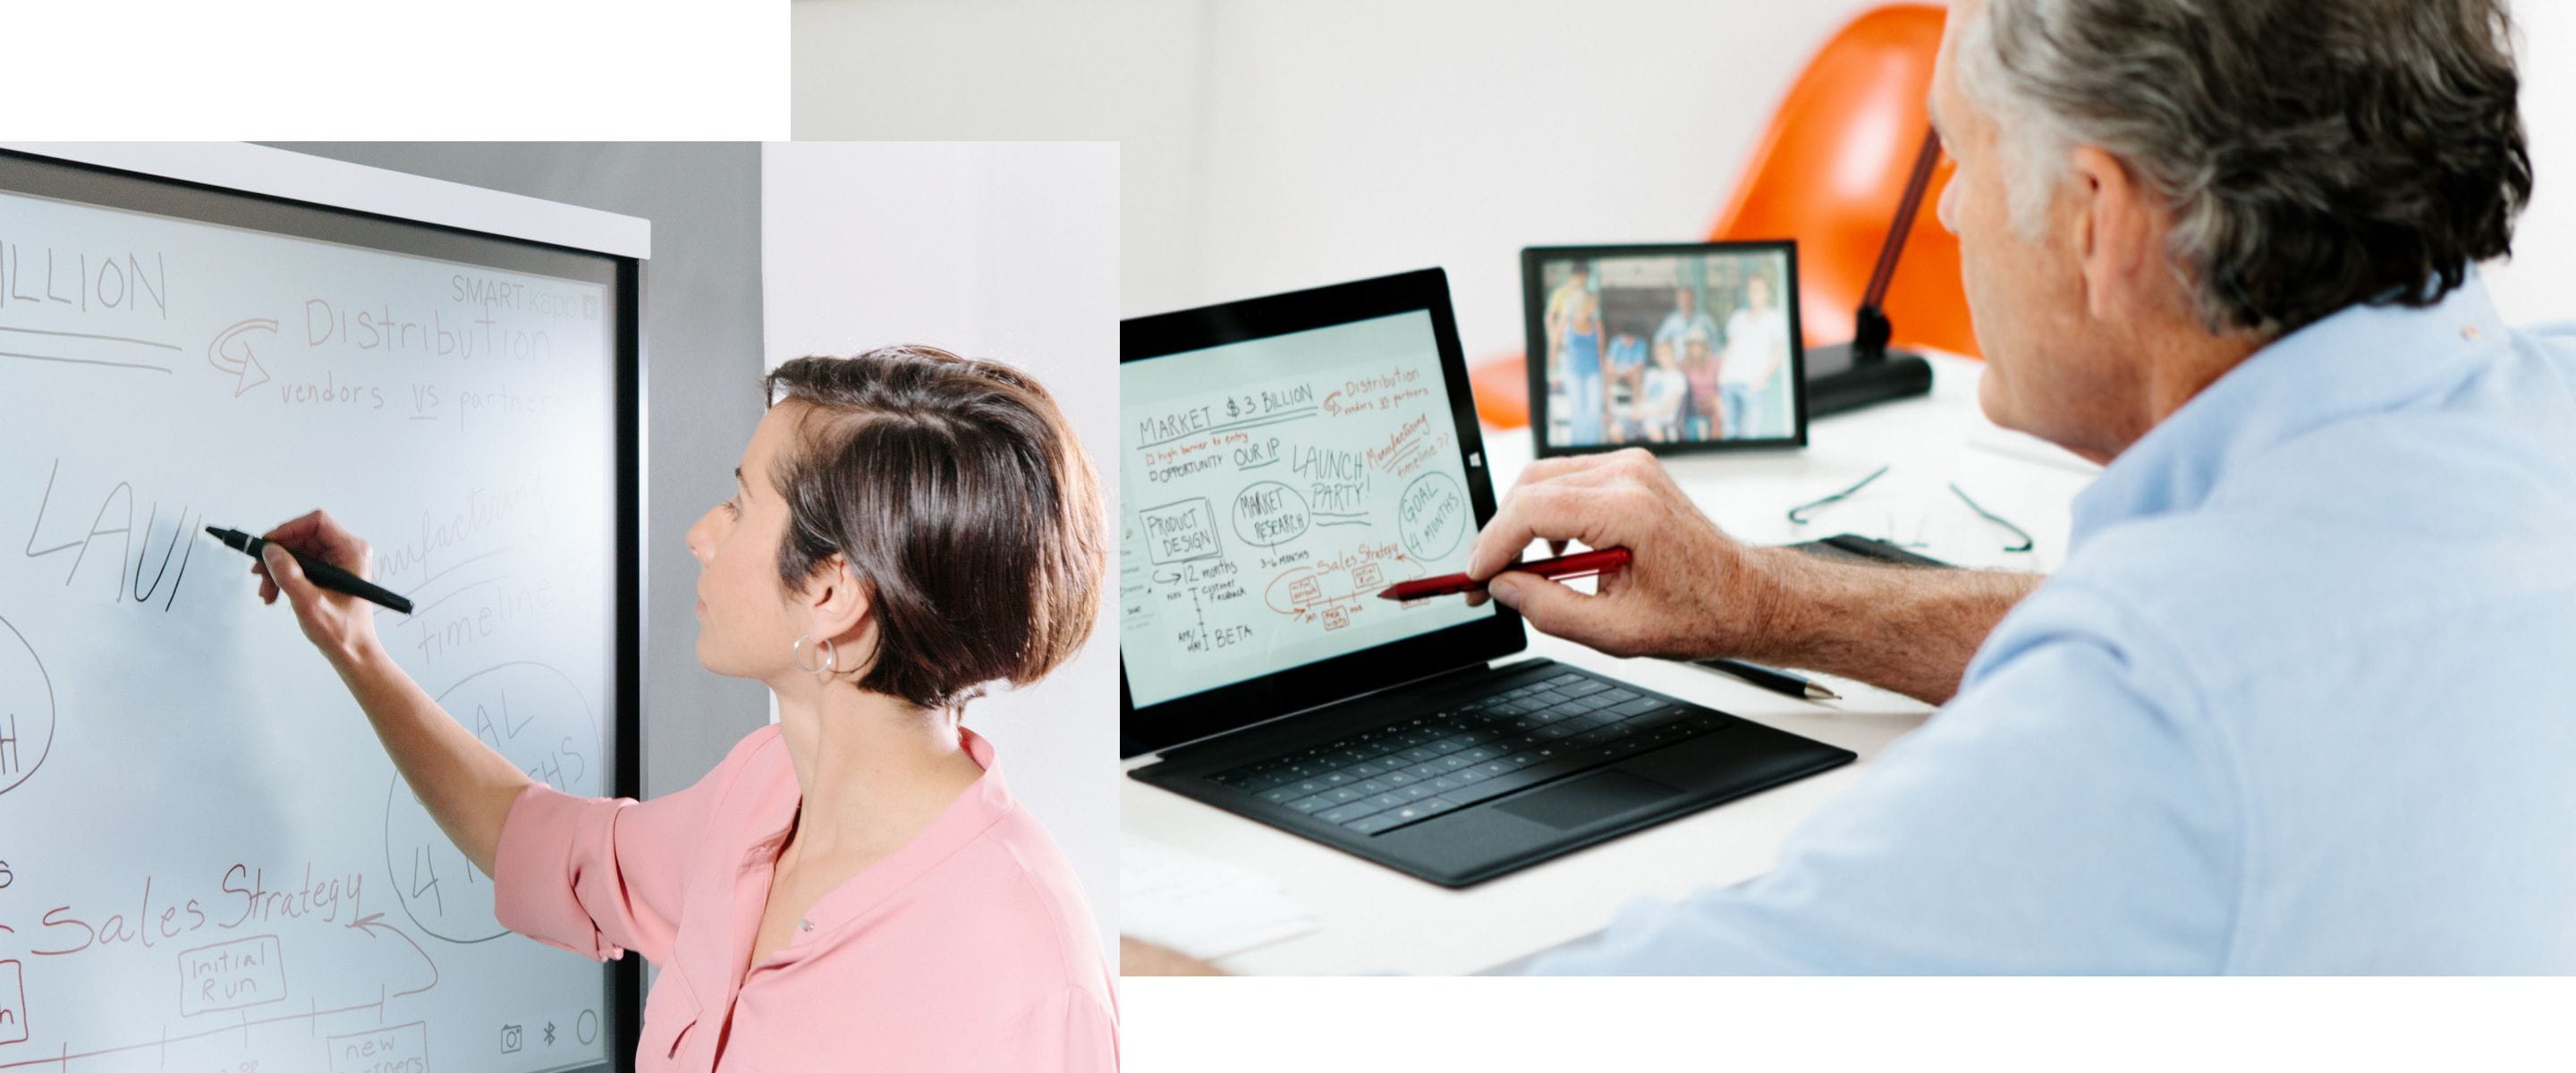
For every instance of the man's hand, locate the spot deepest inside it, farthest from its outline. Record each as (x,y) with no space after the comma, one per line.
(1689,591)
(1136,957)
(1692,592)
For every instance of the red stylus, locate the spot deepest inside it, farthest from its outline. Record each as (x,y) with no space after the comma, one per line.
(1579,564)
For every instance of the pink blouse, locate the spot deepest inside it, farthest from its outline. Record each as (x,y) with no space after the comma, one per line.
(968,949)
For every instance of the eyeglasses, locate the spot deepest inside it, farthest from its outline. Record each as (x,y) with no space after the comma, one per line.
(1805,512)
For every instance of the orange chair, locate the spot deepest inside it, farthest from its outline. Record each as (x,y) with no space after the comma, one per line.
(1831,169)
(1829,173)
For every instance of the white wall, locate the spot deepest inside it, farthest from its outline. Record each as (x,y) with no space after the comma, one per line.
(1271,146)
(996,251)
(1124,71)
(2537,283)
(1348,138)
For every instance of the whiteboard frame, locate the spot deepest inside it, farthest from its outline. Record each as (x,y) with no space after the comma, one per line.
(338,184)
(258,171)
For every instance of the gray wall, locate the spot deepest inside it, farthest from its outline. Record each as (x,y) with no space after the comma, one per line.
(702,351)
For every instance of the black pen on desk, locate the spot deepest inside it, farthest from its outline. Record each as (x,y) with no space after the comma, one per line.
(1781,682)
(320,573)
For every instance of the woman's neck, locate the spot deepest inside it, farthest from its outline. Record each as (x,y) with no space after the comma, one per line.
(874,770)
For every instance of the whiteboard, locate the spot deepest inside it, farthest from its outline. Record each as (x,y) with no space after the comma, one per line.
(206,859)
(1271,488)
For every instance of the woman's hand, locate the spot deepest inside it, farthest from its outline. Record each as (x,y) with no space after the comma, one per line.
(1688,591)
(337,623)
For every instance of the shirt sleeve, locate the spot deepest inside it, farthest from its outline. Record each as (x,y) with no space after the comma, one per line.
(1089,1040)
(1072,1031)
(2069,812)
(600,876)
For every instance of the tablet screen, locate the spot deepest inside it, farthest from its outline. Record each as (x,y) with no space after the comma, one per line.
(1271,487)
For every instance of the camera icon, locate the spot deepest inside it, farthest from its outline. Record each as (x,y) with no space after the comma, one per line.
(511,1038)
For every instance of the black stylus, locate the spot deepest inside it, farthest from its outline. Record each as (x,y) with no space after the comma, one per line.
(321,573)
(1780,682)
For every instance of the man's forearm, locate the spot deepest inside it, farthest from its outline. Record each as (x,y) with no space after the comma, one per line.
(1907,629)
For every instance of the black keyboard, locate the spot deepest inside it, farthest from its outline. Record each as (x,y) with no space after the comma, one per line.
(1413,769)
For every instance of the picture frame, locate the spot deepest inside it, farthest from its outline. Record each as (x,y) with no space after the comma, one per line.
(1678,348)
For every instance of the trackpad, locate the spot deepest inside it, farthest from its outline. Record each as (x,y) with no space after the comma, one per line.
(1592,797)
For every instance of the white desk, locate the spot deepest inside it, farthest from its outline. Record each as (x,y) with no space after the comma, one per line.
(1377,920)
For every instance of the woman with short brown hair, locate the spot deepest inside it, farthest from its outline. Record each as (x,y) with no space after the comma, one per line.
(852,888)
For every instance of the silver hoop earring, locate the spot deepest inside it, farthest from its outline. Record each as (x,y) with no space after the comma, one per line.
(831,657)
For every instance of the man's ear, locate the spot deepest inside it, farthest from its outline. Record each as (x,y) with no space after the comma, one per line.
(2118,231)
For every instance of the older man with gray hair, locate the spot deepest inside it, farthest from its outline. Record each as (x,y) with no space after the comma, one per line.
(2299,700)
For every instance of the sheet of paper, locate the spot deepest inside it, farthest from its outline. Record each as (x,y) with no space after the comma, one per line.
(1204,908)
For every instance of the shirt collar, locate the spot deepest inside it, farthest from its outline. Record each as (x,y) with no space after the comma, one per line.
(983,803)
(2359,360)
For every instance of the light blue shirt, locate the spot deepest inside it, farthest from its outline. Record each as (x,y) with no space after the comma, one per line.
(1676,330)
(2302,700)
